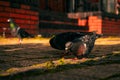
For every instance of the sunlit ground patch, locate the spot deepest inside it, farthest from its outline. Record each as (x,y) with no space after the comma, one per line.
(107,49)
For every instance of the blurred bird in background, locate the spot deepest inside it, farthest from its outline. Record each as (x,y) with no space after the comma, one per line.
(16,31)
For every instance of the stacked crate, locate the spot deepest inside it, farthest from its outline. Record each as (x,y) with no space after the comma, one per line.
(111,26)
(23,14)
(53,22)
(3,18)
(93,22)
(53,5)
(102,24)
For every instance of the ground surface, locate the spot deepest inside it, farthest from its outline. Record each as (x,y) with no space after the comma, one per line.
(36,60)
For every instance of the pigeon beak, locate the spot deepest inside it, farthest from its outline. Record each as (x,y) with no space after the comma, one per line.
(8,20)
(66,49)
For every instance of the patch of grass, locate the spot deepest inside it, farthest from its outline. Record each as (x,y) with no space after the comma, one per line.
(49,65)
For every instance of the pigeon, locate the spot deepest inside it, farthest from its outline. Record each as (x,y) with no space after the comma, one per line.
(79,44)
(59,40)
(17,31)
(81,47)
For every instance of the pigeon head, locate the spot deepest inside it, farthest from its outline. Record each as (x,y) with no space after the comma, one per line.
(99,35)
(95,35)
(10,20)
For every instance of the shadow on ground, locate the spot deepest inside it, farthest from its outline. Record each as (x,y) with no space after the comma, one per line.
(103,63)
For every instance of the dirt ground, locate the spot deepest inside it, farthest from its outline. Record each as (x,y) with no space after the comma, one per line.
(102,64)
